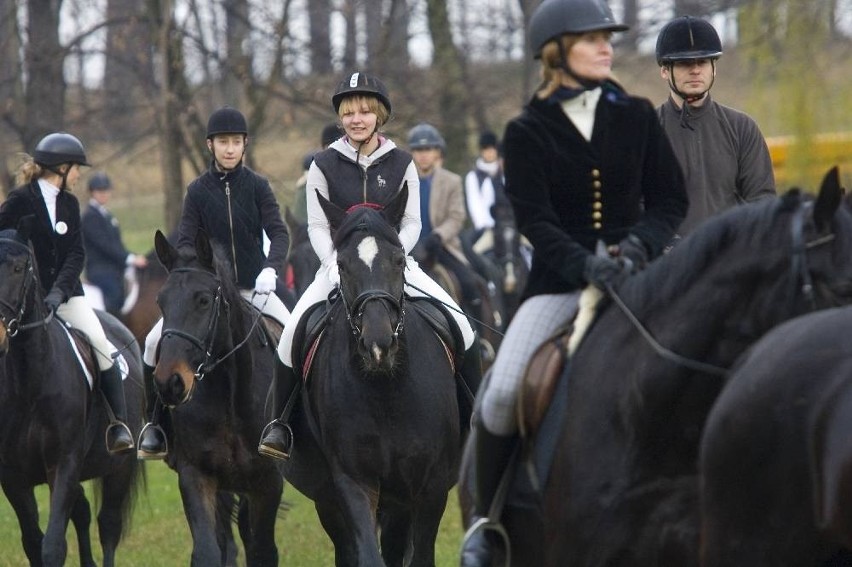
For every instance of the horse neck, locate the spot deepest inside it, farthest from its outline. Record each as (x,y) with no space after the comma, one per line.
(30,360)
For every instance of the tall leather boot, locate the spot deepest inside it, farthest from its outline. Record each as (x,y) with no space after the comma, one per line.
(493,456)
(153,443)
(470,374)
(276,441)
(118,436)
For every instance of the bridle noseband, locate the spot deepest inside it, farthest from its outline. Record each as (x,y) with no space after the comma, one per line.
(15,325)
(208,342)
(355,311)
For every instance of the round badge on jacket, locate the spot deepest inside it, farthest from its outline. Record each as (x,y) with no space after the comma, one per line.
(61,227)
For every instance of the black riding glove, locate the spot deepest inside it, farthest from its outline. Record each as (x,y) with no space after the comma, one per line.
(634,250)
(600,271)
(53,299)
(432,243)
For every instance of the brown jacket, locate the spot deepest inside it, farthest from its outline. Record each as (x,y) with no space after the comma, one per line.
(447,212)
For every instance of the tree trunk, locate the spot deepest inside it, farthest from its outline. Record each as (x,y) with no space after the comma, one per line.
(452,91)
(372,10)
(128,68)
(44,56)
(350,13)
(169,131)
(319,15)
(11,85)
(630,39)
(238,63)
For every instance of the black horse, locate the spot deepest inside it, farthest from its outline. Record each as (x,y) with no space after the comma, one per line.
(776,456)
(52,422)
(214,370)
(377,432)
(622,488)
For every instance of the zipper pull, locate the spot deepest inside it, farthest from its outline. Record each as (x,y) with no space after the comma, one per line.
(227,188)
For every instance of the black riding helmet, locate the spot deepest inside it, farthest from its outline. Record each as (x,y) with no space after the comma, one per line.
(58,148)
(226,120)
(360,84)
(99,182)
(554,18)
(687,38)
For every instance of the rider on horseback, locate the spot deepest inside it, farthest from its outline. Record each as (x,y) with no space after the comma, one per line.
(234,206)
(44,193)
(567,179)
(362,168)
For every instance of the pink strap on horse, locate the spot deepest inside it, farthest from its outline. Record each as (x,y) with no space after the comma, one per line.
(374,206)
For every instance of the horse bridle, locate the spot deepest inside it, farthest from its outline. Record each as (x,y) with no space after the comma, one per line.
(800,272)
(208,342)
(14,326)
(355,311)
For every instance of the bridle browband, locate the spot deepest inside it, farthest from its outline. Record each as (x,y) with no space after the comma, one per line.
(800,272)
(14,325)
(208,342)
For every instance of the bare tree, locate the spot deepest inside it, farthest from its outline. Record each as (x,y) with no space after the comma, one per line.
(238,62)
(128,67)
(448,75)
(44,56)
(350,15)
(319,15)
(11,81)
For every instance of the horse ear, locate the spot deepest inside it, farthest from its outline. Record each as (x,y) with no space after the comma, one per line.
(166,253)
(829,198)
(203,250)
(25,227)
(333,213)
(394,210)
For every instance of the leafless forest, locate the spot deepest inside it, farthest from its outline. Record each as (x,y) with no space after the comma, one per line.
(124,72)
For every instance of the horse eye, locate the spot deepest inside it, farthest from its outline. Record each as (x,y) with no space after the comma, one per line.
(19,269)
(204,301)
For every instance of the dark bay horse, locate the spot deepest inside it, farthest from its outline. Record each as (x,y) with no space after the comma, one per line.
(776,457)
(52,423)
(213,371)
(377,433)
(622,489)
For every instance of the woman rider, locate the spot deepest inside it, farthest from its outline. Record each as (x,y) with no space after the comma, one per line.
(361,167)
(44,194)
(585,163)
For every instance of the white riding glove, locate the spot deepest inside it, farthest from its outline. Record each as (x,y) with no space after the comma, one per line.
(265,282)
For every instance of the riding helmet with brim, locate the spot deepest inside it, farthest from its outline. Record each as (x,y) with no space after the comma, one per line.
(425,136)
(554,18)
(359,83)
(687,38)
(226,120)
(58,148)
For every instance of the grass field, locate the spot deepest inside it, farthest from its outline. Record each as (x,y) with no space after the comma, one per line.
(159,535)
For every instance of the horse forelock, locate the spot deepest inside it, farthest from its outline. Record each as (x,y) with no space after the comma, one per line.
(222,269)
(364,219)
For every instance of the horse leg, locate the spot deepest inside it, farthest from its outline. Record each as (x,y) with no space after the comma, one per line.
(198,493)
(263,512)
(396,535)
(426,521)
(348,515)
(21,496)
(81,517)
(64,491)
(224,533)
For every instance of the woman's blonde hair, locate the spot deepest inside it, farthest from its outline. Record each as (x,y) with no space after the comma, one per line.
(28,170)
(552,72)
(357,102)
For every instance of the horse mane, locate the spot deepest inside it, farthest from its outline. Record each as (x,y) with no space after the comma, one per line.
(745,226)
(367,220)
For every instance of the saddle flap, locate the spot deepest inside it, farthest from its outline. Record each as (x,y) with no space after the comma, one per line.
(440,321)
(540,380)
(308,333)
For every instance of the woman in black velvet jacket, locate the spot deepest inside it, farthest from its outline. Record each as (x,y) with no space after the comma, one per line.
(587,168)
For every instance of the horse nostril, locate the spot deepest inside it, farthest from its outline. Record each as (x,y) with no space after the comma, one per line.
(175,387)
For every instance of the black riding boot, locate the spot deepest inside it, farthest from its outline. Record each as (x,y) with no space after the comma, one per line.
(471,376)
(118,436)
(276,441)
(153,443)
(493,454)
